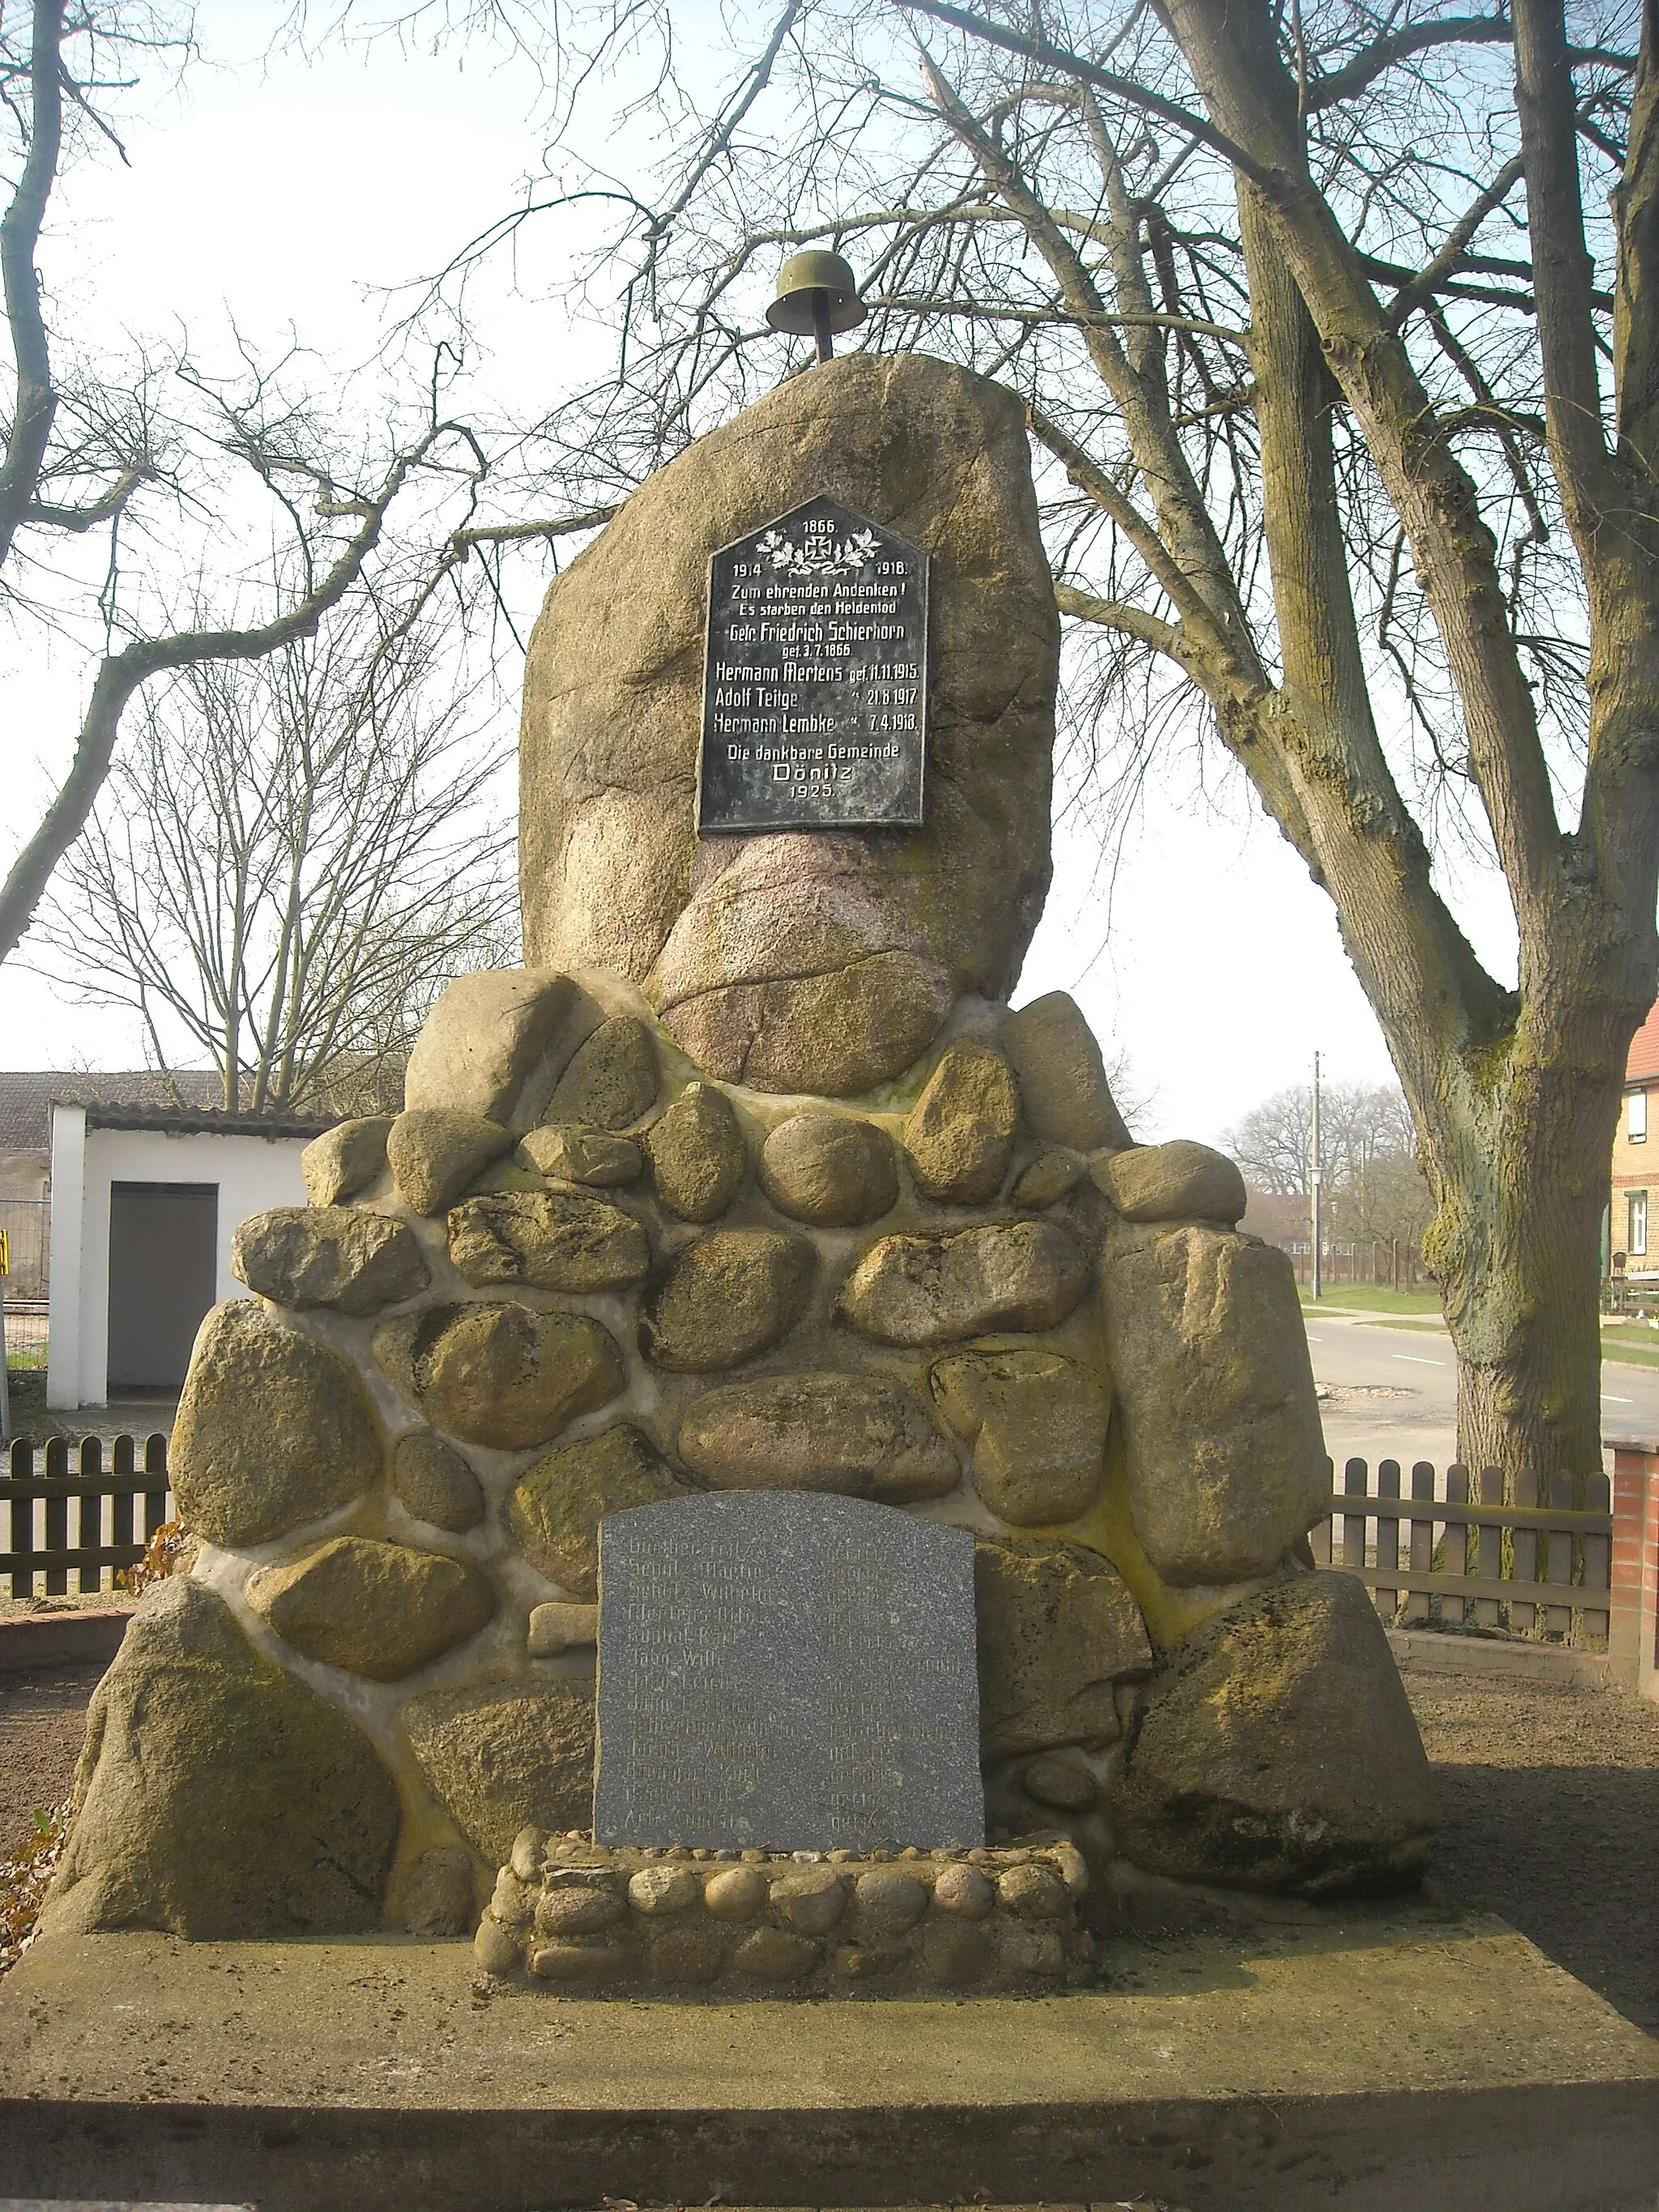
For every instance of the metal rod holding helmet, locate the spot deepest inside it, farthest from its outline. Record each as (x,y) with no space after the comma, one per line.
(817,295)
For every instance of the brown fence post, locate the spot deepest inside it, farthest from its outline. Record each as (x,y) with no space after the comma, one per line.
(156,1499)
(56,1515)
(1356,1482)
(1634,1595)
(1524,1619)
(87,1534)
(1387,1541)
(1421,1561)
(1455,1553)
(20,1469)
(1488,1544)
(1319,1536)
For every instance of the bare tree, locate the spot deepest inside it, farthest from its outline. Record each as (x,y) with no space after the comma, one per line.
(1274,1143)
(1332,321)
(1387,1201)
(288,862)
(1368,1154)
(147,458)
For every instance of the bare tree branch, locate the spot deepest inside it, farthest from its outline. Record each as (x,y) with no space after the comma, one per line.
(35,403)
(121,673)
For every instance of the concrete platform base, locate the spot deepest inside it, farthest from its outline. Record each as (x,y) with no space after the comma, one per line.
(1372,2059)
(75,1635)
(1429,1652)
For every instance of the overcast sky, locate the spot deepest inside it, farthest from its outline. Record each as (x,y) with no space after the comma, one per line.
(283,194)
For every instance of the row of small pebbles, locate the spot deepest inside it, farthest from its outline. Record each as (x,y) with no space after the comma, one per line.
(533,1848)
(572,1913)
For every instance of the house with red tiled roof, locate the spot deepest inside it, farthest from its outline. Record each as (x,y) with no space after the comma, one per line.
(1634,1232)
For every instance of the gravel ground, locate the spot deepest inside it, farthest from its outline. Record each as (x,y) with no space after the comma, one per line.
(1549,1798)
(43,1715)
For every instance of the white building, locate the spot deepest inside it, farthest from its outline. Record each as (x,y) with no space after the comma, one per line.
(144,1203)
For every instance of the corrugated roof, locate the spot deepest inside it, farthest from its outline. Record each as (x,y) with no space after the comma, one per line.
(26,1098)
(1643,1065)
(194,1121)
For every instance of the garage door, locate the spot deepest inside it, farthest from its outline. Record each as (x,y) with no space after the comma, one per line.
(163,1242)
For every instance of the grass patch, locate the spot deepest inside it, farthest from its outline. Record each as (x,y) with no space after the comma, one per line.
(1371,1297)
(1621,1351)
(1629,1355)
(29,1417)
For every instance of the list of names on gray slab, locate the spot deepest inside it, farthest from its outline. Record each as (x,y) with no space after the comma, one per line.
(784,1669)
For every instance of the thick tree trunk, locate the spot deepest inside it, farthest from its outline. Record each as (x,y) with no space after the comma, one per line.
(1516,1248)
(1514,1094)
(1516,1141)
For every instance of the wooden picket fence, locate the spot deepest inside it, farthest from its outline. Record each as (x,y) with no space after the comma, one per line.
(1452,1550)
(1430,1549)
(118,1509)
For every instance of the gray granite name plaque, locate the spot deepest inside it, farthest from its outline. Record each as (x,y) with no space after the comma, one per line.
(784,1669)
(815,685)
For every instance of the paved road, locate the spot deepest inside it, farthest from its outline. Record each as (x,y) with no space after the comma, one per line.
(1393,1392)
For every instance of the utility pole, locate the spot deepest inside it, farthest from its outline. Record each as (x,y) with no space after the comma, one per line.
(1315,1178)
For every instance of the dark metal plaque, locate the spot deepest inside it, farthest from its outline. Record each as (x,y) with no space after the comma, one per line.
(815,686)
(779,1667)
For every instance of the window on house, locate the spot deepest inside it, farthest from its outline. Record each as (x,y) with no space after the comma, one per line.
(1636,1117)
(1638,1203)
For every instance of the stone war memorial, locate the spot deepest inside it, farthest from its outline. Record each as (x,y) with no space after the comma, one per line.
(751,1536)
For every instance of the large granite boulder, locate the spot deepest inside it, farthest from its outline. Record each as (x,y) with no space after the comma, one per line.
(552,1240)
(731,1294)
(345,1159)
(435,1152)
(1058,1631)
(928,1290)
(485,1038)
(505,1756)
(823,963)
(791,971)
(1036,1423)
(1223,1450)
(1062,1077)
(1275,1749)
(329,1255)
(504,1375)
(381,1610)
(1177,1182)
(570,1153)
(698,1156)
(960,1136)
(612,1077)
(218,1797)
(436,1484)
(273,1430)
(1050,1176)
(830,1170)
(556,1507)
(861,1436)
